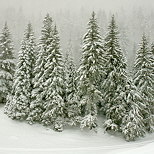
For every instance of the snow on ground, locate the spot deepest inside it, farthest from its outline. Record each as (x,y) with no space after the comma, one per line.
(147,149)
(21,138)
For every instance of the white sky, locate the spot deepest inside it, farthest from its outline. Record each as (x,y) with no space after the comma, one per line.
(45,5)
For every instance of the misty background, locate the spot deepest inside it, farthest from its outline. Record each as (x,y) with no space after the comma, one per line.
(133,17)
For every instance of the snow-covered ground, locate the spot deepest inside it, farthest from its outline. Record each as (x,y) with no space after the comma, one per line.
(20,138)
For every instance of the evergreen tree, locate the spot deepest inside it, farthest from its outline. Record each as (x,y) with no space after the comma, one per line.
(144,79)
(115,78)
(18,104)
(133,121)
(90,74)
(54,99)
(72,109)
(152,72)
(38,93)
(7,64)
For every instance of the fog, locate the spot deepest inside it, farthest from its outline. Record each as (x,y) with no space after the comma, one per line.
(134,17)
(35,6)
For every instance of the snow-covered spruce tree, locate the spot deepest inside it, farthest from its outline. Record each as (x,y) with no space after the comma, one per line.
(7,64)
(115,79)
(38,93)
(144,79)
(152,70)
(18,105)
(89,74)
(72,109)
(54,99)
(133,121)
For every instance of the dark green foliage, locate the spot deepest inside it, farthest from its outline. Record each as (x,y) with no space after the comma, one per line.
(115,78)
(72,108)
(133,121)
(38,94)
(89,74)
(19,103)
(7,64)
(54,87)
(144,79)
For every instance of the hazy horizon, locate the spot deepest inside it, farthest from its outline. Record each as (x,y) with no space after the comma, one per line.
(33,6)
(71,16)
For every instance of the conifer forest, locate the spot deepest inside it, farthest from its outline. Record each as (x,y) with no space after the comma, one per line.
(102,78)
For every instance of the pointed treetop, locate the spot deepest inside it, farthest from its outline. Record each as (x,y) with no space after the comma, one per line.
(29,26)
(5,29)
(144,36)
(6,24)
(144,39)
(47,15)
(48,20)
(28,31)
(93,29)
(6,42)
(143,44)
(93,14)
(47,32)
(113,23)
(113,17)
(55,33)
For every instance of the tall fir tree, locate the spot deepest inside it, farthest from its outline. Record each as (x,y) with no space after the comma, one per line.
(113,86)
(19,104)
(90,72)
(152,71)
(72,110)
(133,121)
(41,75)
(7,64)
(144,79)
(54,99)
